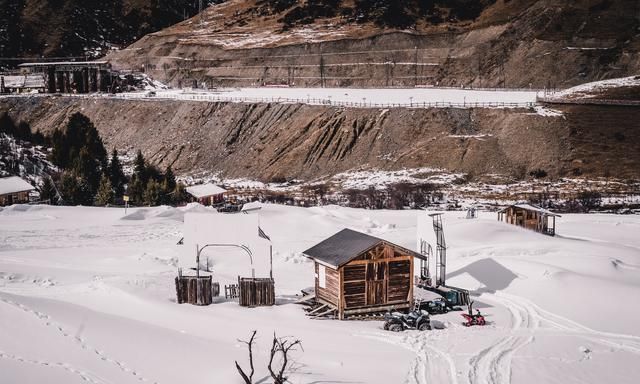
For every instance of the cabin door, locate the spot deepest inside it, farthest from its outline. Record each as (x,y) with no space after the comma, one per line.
(376,283)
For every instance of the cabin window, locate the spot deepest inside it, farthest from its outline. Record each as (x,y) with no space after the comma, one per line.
(322,276)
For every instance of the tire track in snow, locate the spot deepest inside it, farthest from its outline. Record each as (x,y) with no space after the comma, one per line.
(48,321)
(426,366)
(492,365)
(85,376)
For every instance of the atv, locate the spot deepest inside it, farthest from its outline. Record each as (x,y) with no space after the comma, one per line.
(435,306)
(415,319)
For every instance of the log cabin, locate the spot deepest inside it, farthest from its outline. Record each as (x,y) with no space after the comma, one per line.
(207,194)
(530,217)
(14,190)
(356,273)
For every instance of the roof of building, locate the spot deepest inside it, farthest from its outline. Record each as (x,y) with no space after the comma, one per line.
(345,246)
(14,184)
(44,64)
(530,207)
(204,190)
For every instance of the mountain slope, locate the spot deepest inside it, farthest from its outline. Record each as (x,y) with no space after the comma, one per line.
(543,43)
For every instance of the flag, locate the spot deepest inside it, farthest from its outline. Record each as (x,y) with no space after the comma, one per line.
(262,234)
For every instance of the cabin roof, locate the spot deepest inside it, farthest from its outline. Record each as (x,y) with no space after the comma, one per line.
(534,208)
(204,190)
(14,184)
(345,246)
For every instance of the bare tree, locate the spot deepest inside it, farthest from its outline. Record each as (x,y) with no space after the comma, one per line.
(283,346)
(248,379)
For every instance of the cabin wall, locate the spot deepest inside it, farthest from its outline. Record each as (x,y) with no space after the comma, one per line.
(329,278)
(14,198)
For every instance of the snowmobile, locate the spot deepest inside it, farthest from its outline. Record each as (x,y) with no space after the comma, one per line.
(473,319)
(435,306)
(415,319)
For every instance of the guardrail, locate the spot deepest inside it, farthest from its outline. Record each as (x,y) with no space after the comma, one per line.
(553,100)
(317,101)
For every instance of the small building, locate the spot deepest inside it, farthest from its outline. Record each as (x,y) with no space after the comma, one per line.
(72,76)
(356,273)
(14,190)
(207,194)
(531,217)
(22,83)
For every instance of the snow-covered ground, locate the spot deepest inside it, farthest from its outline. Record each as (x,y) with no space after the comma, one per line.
(87,295)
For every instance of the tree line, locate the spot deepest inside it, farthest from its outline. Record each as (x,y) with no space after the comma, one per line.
(88,175)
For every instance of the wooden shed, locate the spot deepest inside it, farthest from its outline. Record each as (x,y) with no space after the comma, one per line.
(356,273)
(531,217)
(14,190)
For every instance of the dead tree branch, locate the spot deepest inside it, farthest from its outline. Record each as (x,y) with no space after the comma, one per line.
(248,379)
(282,346)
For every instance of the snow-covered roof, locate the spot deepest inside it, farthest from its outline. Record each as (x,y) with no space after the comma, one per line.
(204,190)
(534,208)
(14,184)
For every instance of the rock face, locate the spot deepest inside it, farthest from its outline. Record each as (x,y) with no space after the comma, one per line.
(266,141)
(525,43)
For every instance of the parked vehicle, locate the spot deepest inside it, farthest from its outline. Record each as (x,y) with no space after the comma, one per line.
(415,319)
(435,306)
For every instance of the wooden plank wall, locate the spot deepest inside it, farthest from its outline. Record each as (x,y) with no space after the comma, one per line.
(256,292)
(331,292)
(194,290)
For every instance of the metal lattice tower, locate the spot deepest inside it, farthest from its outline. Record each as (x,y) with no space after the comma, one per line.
(441,249)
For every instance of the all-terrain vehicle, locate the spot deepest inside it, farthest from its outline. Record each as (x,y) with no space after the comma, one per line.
(435,306)
(415,319)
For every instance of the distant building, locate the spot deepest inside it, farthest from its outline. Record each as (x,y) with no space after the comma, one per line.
(22,83)
(72,76)
(14,190)
(356,273)
(207,194)
(531,217)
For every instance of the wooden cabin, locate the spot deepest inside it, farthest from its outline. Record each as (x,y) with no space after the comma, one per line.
(207,194)
(14,190)
(531,217)
(356,273)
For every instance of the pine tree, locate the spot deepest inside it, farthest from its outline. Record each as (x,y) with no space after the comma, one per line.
(7,125)
(170,179)
(74,190)
(105,194)
(179,194)
(88,168)
(152,193)
(48,190)
(116,175)
(168,187)
(140,168)
(135,190)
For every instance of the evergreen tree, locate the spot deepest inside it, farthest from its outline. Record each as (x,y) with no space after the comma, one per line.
(135,190)
(74,190)
(48,190)
(179,195)
(88,168)
(152,193)
(23,132)
(170,179)
(168,187)
(116,175)
(105,194)
(140,168)
(7,125)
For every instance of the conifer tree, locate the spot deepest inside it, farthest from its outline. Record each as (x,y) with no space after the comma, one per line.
(105,194)
(7,125)
(47,190)
(140,168)
(116,175)
(152,193)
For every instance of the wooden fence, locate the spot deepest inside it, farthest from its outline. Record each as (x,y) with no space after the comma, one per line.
(256,292)
(196,290)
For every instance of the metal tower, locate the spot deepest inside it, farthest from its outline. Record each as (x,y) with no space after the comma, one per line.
(441,249)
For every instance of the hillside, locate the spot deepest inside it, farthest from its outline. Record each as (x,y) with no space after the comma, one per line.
(61,28)
(538,43)
(273,140)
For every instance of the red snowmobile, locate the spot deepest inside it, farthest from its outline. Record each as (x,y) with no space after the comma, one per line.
(472,319)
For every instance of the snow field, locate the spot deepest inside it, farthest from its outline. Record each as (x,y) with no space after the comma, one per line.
(87,296)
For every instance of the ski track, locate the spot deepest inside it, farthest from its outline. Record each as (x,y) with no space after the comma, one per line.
(492,365)
(48,321)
